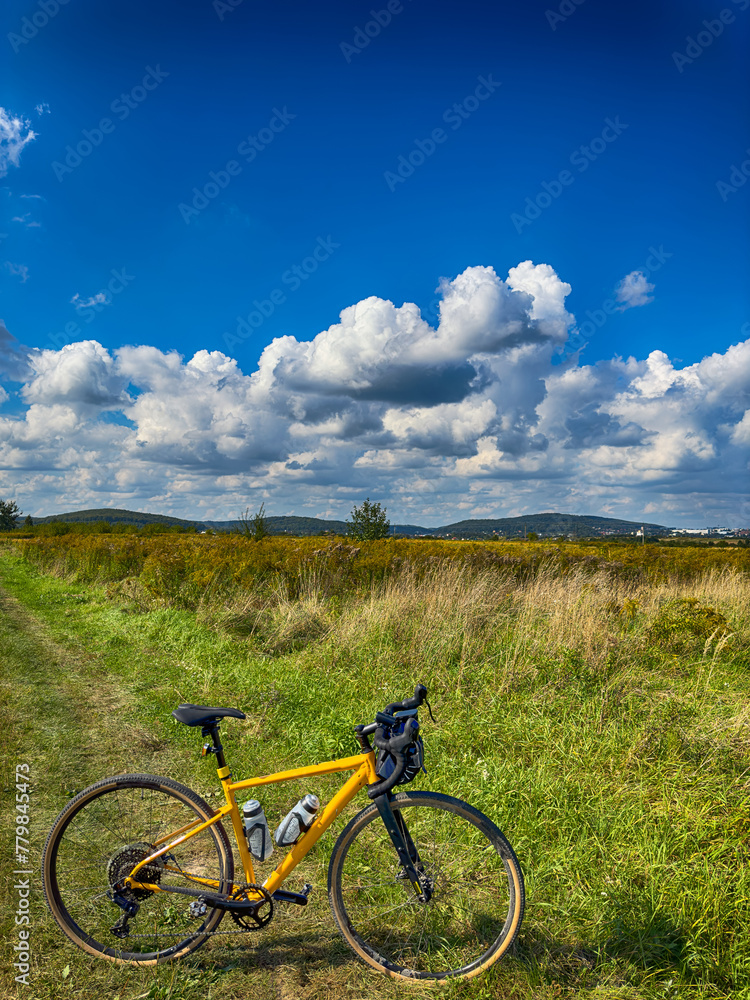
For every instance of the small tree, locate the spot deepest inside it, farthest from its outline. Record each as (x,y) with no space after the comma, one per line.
(29,522)
(9,515)
(254,526)
(368,521)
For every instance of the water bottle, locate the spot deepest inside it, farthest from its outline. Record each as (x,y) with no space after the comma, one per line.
(297,821)
(256,829)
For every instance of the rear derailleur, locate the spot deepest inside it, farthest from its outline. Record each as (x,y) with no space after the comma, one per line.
(121,929)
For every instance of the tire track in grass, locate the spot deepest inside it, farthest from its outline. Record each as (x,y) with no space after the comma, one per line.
(45,695)
(42,695)
(61,712)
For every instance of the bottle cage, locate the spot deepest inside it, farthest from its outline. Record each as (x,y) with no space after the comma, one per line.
(385,762)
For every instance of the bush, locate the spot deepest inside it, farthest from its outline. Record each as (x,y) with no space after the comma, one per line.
(684,623)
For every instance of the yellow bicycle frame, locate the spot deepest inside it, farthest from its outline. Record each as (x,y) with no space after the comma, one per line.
(363,765)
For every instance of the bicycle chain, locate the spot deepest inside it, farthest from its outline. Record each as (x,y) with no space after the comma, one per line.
(243,887)
(240,890)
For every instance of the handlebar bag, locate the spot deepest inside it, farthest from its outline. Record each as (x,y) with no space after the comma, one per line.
(385,762)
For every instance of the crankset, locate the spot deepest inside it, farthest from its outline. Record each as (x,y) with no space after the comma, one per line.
(255,913)
(248,912)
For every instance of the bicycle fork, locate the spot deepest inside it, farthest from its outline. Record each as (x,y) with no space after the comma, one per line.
(408,855)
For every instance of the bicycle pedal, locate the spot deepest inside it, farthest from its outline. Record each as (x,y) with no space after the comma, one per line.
(298,898)
(197,909)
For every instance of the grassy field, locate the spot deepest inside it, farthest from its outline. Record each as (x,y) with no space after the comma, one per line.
(599,715)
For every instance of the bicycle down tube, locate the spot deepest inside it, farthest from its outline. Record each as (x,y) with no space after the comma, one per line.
(362,764)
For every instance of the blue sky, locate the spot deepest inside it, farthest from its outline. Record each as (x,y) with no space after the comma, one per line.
(213,177)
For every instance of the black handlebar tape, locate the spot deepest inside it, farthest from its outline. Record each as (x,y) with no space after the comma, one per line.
(420,693)
(386,784)
(396,743)
(395,746)
(384,719)
(379,738)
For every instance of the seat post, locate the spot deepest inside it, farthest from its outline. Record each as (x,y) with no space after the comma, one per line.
(212,730)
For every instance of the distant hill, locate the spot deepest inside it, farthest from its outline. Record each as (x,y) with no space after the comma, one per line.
(545,525)
(115,516)
(276,525)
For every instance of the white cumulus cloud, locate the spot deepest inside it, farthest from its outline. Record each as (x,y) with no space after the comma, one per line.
(634,290)
(18,270)
(475,414)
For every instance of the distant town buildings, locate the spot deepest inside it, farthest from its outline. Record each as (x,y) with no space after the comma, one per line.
(723,532)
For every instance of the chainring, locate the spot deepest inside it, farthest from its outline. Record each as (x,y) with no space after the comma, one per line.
(121,864)
(261,916)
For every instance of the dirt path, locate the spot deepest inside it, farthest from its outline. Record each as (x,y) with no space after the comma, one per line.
(64,716)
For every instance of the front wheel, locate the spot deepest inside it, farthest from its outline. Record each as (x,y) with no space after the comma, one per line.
(97,840)
(477,889)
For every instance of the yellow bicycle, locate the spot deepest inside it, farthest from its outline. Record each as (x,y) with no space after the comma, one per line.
(139,869)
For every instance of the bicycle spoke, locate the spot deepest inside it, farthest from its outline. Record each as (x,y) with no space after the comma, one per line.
(469,883)
(108,834)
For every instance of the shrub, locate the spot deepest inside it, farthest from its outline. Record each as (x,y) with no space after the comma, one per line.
(683,623)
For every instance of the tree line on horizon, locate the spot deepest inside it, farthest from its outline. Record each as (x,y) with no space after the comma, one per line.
(367,520)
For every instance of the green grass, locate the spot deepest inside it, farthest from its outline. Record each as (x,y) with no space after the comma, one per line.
(602,726)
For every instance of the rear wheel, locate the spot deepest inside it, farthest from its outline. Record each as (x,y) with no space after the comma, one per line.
(97,840)
(477,889)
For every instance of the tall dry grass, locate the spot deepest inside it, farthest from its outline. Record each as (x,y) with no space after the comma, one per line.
(453,619)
